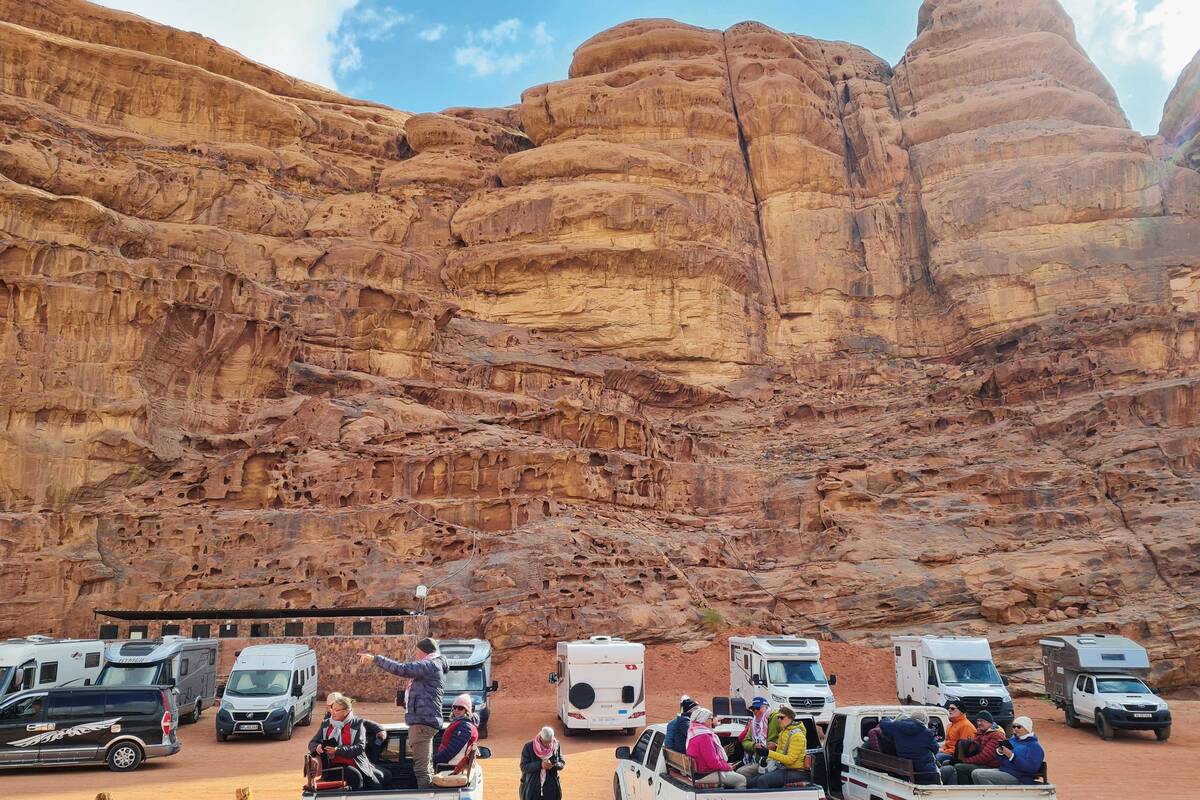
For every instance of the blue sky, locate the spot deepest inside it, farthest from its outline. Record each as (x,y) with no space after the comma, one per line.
(425,56)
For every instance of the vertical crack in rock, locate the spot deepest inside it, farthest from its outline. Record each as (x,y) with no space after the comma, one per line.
(741,134)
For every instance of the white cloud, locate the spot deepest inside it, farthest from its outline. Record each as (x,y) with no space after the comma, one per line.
(376,24)
(298,37)
(433,34)
(1165,33)
(505,48)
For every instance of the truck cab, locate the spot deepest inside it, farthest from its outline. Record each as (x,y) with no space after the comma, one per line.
(470,662)
(786,670)
(1098,679)
(936,670)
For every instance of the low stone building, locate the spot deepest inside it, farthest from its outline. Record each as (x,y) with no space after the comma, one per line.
(337,635)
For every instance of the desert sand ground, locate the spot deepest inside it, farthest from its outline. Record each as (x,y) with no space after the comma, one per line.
(1081,765)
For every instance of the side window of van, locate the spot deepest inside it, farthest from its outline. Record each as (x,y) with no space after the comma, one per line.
(913,653)
(212,658)
(48,673)
(184,667)
(91,660)
(68,705)
(932,681)
(141,702)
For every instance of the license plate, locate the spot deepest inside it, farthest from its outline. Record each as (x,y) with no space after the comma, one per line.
(249,726)
(1143,716)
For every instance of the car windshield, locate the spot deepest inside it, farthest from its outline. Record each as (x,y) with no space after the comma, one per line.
(783,672)
(464,679)
(1120,686)
(5,677)
(968,672)
(258,682)
(128,675)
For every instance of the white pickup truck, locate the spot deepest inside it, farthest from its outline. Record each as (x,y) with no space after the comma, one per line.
(649,772)
(852,772)
(400,783)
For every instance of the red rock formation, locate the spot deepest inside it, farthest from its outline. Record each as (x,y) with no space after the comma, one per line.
(744,322)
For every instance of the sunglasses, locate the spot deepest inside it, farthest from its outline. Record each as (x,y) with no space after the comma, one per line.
(460,708)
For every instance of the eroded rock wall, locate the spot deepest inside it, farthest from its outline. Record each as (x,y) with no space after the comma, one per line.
(737,322)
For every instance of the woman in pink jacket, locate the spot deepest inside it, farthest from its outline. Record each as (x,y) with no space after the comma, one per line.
(704,748)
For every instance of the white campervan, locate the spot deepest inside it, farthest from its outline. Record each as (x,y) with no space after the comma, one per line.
(271,689)
(601,684)
(42,662)
(784,669)
(936,670)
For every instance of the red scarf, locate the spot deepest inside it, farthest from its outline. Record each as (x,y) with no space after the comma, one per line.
(340,760)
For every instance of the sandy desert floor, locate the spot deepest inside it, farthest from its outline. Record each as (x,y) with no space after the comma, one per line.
(1081,765)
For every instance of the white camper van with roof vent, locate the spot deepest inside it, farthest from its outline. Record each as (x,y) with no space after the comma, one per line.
(786,670)
(936,670)
(601,684)
(43,662)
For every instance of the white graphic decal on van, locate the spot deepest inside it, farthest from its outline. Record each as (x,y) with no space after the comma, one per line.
(54,736)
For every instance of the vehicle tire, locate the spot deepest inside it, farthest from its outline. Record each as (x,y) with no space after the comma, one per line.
(1072,720)
(907,701)
(286,733)
(570,731)
(1162,734)
(197,710)
(582,696)
(1103,727)
(616,788)
(124,757)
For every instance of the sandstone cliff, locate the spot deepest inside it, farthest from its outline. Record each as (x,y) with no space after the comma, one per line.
(737,321)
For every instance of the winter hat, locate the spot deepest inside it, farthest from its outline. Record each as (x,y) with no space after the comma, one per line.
(701,715)
(986,715)
(427,645)
(686,704)
(759,702)
(1024,722)
(919,715)
(464,700)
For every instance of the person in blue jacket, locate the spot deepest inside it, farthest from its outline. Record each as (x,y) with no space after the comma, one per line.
(914,741)
(426,675)
(677,728)
(1020,758)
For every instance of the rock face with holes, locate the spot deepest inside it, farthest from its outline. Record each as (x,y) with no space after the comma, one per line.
(726,327)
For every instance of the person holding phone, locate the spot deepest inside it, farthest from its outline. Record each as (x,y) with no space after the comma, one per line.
(341,743)
(1020,758)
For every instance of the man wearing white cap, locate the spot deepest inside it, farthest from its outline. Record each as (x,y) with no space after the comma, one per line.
(1020,758)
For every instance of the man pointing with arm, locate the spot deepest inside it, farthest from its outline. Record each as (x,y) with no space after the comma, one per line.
(422,701)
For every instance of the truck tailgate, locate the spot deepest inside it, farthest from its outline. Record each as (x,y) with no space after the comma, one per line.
(861,781)
(808,793)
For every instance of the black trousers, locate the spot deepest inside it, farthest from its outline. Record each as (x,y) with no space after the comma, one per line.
(350,775)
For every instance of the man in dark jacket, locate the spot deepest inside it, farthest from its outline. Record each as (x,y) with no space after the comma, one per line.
(915,742)
(979,753)
(422,701)
(677,728)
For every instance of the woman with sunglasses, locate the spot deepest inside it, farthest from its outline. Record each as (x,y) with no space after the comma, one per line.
(460,735)
(341,744)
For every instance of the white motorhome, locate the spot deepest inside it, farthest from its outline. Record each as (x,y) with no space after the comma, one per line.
(271,689)
(189,666)
(784,669)
(936,670)
(601,684)
(42,662)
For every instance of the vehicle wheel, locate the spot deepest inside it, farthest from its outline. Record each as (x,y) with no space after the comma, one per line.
(1103,727)
(286,733)
(124,757)
(616,788)
(197,710)
(1072,720)
(570,731)
(1162,734)
(907,701)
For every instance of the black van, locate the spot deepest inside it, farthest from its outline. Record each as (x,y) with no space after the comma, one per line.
(88,725)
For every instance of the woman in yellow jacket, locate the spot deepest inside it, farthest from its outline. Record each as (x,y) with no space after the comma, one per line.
(789,754)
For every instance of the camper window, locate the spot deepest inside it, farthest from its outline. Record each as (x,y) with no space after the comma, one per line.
(932,675)
(784,672)
(959,671)
(48,673)
(913,653)
(91,660)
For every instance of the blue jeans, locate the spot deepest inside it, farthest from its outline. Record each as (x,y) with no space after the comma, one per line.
(943,758)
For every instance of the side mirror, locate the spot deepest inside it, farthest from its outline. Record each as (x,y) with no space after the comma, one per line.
(87,681)
(1153,689)
(171,682)
(495,687)
(757,681)
(833,680)
(623,753)
(554,677)
(483,752)
(1004,679)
